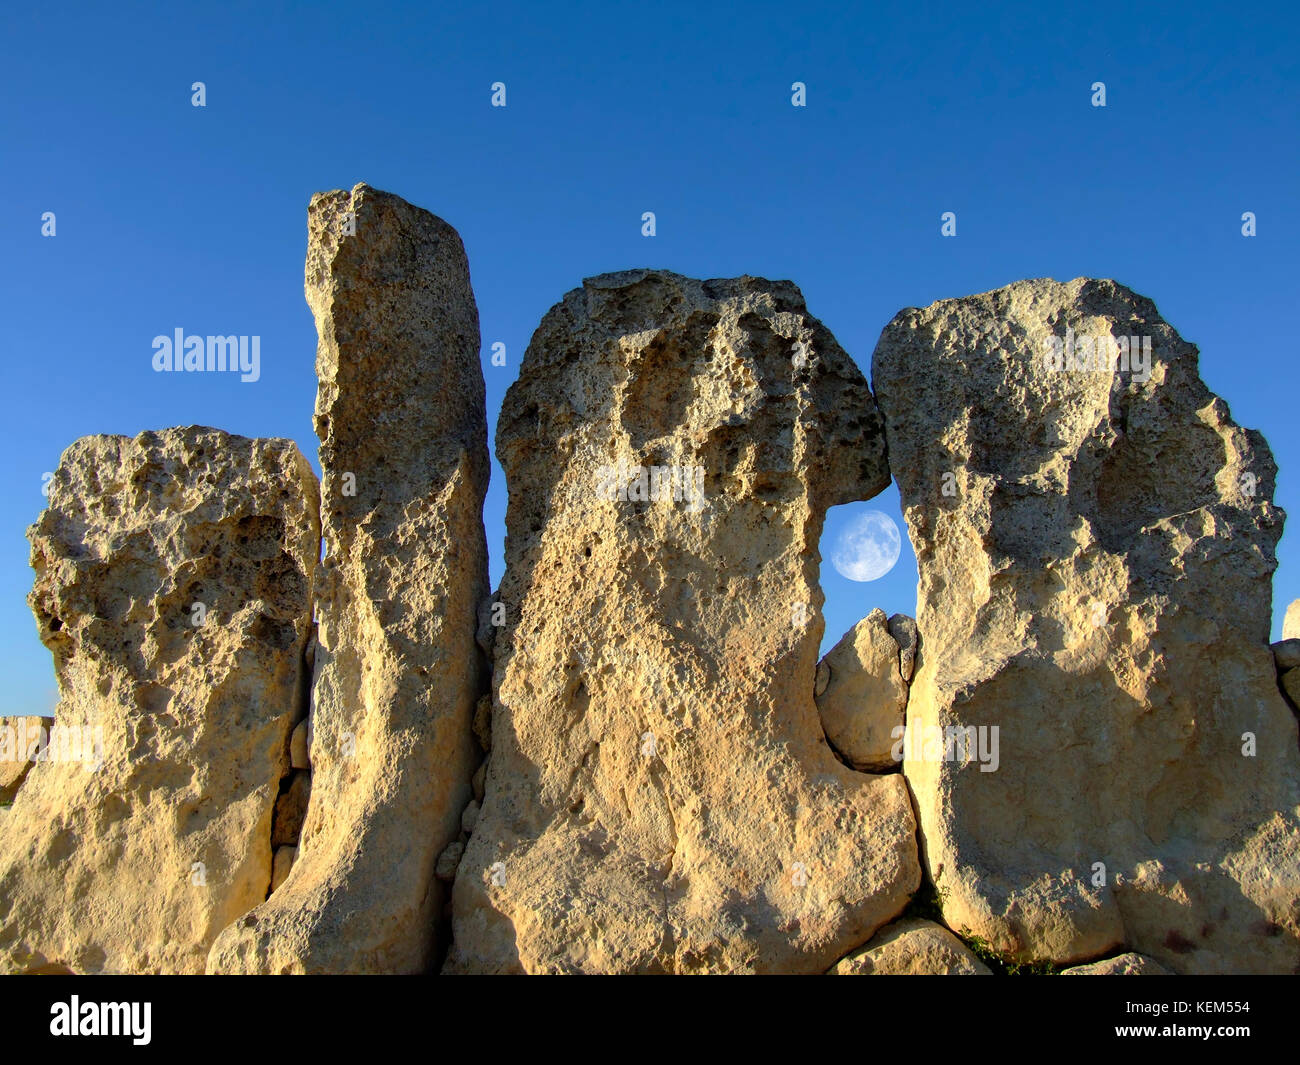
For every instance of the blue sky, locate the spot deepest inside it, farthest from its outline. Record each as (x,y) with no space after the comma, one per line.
(173,216)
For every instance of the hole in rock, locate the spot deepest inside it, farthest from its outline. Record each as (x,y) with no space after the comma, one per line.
(866,562)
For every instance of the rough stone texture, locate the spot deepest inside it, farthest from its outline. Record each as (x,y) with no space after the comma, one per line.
(660,796)
(1098,587)
(1291,621)
(21,739)
(904,631)
(137,865)
(1122,965)
(400,408)
(865,696)
(912,947)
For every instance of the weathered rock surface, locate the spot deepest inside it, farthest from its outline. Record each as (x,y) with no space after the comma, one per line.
(912,947)
(172,587)
(1121,965)
(1095,554)
(905,633)
(21,739)
(660,796)
(400,413)
(865,696)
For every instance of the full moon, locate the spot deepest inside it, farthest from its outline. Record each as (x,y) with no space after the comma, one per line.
(867,548)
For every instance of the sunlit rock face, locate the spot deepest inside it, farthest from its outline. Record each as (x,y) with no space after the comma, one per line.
(173,576)
(660,796)
(404,462)
(1095,539)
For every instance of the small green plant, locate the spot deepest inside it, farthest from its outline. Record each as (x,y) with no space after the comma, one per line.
(1004,964)
(927,903)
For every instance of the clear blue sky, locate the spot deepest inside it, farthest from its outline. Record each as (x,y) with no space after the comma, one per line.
(173,216)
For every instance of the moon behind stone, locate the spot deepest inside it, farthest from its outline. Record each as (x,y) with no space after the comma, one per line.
(868,547)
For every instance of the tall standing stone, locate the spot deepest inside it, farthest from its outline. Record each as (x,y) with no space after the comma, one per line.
(172,586)
(401,419)
(1095,540)
(660,796)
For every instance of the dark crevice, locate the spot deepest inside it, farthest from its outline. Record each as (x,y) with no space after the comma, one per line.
(302,710)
